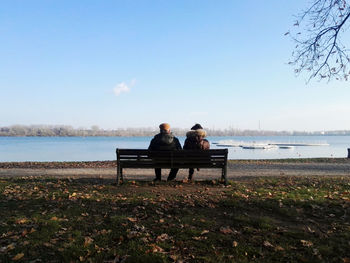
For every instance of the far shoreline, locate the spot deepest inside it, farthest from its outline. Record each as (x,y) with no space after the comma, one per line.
(43,130)
(180,135)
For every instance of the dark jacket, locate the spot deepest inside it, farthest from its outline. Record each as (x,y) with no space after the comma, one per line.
(195,140)
(165,141)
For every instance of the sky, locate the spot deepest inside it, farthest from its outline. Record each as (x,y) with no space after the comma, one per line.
(119,64)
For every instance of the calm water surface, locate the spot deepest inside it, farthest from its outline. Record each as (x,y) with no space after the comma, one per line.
(103,148)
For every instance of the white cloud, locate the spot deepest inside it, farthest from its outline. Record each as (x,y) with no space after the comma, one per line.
(120,88)
(124,87)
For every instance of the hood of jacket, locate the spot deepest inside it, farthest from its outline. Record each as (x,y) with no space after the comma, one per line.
(196,133)
(165,138)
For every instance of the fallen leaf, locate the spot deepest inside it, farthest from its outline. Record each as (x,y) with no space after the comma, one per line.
(310,230)
(234,243)
(18,256)
(279,248)
(267,244)
(22,221)
(11,246)
(155,248)
(131,219)
(205,232)
(199,238)
(105,232)
(226,230)
(24,232)
(87,241)
(306,243)
(162,237)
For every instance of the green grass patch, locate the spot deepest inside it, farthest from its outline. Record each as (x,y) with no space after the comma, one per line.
(280,219)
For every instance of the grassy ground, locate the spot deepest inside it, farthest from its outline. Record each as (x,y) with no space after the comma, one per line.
(284,219)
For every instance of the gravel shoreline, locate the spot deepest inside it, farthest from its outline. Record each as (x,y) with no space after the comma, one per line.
(58,165)
(236,169)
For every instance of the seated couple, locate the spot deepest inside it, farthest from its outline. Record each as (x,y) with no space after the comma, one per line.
(165,140)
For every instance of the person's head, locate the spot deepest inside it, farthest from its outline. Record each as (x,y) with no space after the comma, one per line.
(164,128)
(199,130)
(197,126)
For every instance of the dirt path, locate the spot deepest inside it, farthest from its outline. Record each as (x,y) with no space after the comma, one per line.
(235,170)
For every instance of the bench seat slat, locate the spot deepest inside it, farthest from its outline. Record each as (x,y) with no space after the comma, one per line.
(165,165)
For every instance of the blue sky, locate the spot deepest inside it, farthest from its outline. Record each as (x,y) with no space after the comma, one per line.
(119,64)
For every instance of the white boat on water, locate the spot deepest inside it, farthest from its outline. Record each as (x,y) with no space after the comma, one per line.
(258,146)
(300,144)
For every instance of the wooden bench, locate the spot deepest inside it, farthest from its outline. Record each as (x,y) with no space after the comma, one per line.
(140,158)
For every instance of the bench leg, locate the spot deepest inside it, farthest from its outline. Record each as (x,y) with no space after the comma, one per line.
(118,174)
(224,175)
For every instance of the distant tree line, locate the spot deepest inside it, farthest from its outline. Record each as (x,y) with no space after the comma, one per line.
(64,130)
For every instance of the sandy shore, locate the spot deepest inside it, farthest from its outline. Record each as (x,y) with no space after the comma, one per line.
(236,169)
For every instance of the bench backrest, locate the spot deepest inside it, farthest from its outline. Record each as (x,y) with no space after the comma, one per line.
(140,158)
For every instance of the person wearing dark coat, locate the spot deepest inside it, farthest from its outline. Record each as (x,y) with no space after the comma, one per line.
(195,141)
(165,140)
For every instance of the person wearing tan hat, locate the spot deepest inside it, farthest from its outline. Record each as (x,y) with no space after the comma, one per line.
(165,140)
(195,141)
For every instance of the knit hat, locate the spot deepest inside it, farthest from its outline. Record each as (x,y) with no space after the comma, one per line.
(164,126)
(197,126)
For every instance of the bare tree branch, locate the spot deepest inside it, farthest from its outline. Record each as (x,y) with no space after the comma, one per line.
(319,50)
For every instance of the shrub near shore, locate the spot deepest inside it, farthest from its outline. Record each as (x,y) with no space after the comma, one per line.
(285,219)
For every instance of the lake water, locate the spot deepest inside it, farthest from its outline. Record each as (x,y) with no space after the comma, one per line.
(103,148)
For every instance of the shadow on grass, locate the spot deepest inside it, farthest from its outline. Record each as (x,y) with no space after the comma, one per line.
(88,219)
